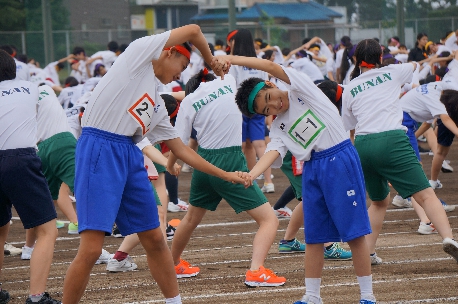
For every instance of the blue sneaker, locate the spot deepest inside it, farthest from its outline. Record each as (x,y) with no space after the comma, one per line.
(60,224)
(447,208)
(306,300)
(337,253)
(367,302)
(291,247)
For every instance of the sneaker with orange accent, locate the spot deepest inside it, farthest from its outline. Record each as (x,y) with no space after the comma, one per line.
(263,277)
(185,270)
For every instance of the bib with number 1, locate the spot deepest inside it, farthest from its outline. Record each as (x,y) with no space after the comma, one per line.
(142,112)
(306,129)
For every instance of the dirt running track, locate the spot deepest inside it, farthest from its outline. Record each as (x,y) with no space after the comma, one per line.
(415,269)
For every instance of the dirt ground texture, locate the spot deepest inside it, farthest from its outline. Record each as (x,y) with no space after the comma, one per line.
(414,269)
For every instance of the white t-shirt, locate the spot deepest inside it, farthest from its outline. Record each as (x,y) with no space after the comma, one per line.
(51,73)
(370,103)
(451,76)
(311,123)
(423,102)
(339,56)
(73,119)
(402,57)
(306,66)
(51,117)
(90,84)
(348,75)
(220,53)
(451,42)
(68,96)
(212,111)
(22,70)
(108,58)
(18,114)
(126,100)
(242,73)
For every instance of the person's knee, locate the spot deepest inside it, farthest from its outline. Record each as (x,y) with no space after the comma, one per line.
(47,230)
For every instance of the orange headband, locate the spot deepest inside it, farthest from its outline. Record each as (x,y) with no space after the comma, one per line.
(180,49)
(204,73)
(175,112)
(364,64)
(338,93)
(231,35)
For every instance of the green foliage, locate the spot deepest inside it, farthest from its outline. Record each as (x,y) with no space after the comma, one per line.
(278,35)
(12,16)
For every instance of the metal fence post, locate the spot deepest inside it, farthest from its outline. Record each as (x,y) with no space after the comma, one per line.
(23,45)
(67,48)
(109,35)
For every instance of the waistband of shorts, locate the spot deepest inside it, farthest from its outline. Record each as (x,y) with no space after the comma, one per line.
(203,151)
(56,137)
(391,133)
(107,135)
(19,151)
(331,151)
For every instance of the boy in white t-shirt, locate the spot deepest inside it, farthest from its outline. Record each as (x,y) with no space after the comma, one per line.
(125,107)
(309,126)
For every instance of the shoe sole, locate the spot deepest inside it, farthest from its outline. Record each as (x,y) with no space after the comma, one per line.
(449,208)
(452,250)
(180,276)
(72,232)
(26,258)
(400,205)
(290,251)
(338,259)
(426,233)
(446,170)
(262,284)
(123,270)
(117,235)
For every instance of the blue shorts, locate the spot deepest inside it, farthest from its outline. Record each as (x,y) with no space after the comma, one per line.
(111,184)
(411,125)
(444,136)
(334,196)
(253,128)
(23,185)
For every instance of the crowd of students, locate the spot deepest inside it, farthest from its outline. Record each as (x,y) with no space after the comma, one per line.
(321,113)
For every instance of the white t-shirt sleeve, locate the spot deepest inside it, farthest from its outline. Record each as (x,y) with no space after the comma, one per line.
(330,64)
(276,144)
(451,42)
(405,72)
(349,120)
(144,143)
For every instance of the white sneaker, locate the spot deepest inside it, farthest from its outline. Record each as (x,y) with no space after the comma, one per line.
(72,198)
(446,168)
(26,253)
(268,188)
(9,249)
(421,138)
(283,212)
(451,247)
(398,201)
(104,257)
(375,260)
(171,207)
(121,266)
(309,300)
(262,176)
(183,205)
(186,168)
(426,228)
(435,184)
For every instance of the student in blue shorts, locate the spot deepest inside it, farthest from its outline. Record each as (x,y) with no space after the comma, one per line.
(334,197)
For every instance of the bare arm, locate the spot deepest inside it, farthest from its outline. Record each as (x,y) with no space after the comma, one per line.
(422,129)
(264,163)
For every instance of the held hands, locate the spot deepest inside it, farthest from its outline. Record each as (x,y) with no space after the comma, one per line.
(220,65)
(239,177)
(175,170)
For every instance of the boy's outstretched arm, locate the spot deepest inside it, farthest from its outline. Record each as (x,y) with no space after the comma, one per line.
(264,163)
(268,66)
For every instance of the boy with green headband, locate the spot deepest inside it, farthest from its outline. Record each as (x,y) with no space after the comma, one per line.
(333,189)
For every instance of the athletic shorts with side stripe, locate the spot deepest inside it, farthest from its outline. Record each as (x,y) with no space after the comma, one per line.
(389,157)
(111,184)
(207,190)
(334,196)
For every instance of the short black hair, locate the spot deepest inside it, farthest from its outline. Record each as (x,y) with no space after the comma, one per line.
(305,40)
(113,46)
(241,98)
(315,45)
(8,49)
(329,88)
(194,82)
(71,81)
(7,66)
(60,65)
(450,100)
(78,50)
(285,51)
(441,71)
(123,47)
(430,78)
(219,42)
(171,105)
(267,54)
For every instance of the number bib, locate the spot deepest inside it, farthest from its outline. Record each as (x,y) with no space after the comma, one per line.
(142,112)
(305,130)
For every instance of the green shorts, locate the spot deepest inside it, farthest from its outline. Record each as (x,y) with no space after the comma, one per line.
(389,156)
(159,168)
(207,190)
(57,155)
(158,201)
(294,180)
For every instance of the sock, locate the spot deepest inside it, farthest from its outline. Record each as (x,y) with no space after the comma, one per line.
(171,183)
(365,285)
(37,297)
(329,247)
(175,300)
(287,196)
(120,256)
(312,288)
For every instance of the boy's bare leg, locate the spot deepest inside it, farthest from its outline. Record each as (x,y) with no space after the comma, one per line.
(360,256)
(438,159)
(314,260)
(65,203)
(377,212)
(295,223)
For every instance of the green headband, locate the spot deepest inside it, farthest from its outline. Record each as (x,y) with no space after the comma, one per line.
(252,96)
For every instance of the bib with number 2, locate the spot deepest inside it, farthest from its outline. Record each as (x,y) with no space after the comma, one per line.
(306,129)
(142,112)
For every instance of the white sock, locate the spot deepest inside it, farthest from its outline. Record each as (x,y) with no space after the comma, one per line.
(365,285)
(175,300)
(312,288)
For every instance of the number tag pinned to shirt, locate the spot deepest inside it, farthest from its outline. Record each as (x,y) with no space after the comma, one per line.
(306,129)
(142,111)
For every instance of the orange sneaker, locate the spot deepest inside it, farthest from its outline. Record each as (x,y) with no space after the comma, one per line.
(263,277)
(185,270)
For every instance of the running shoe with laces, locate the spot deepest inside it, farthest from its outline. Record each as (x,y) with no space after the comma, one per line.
(9,249)
(26,253)
(46,299)
(450,246)
(291,247)
(268,188)
(446,168)
(185,270)
(337,253)
(426,228)
(306,300)
(186,168)
(284,212)
(73,228)
(121,266)
(375,260)
(263,277)
(171,207)
(116,233)
(60,224)
(170,232)
(104,257)
(4,296)
(447,208)
(400,202)
(183,205)
(435,184)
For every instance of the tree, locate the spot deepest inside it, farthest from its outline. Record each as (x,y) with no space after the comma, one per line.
(12,15)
